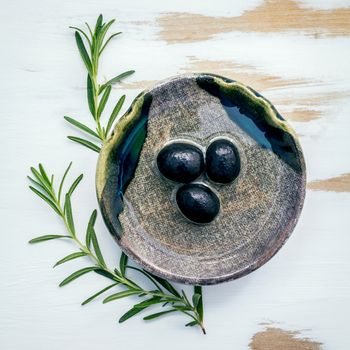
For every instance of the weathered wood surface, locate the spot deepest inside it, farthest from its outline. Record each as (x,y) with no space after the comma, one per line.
(296,53)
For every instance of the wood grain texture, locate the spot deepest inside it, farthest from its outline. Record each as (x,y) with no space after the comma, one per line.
(294,52)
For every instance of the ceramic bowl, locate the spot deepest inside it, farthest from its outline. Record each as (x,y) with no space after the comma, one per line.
(258,210)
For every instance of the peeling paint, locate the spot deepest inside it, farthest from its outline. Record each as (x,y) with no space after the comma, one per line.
(301,114)
(279,16)
(272,338)
(141,84)
(321,98)
(244,73)
(335,184)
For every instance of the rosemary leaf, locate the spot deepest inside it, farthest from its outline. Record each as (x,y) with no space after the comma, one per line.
(69,214)
(199,306)
(70,257)
(158,314)
(46,199)
(77,274)
(116,79)
(146,274)
(41,180)
(90,227)
(107,274)
(182,308)
(102,34)
(37,183)
(120,295)
(91,237)
(81,126)
(44,175)
(97,248)
(91,96)
(103,101)
(98,24)
(84,34)
(74,185)
(36,174)
(107,41)
(114,114)
(62,181)
(185,297)
(132,312)
(89,29)
(88,300)
(148,302)
(166,285)
(122,263)
(195,299)
(85,143)
(46,238)
(83,53)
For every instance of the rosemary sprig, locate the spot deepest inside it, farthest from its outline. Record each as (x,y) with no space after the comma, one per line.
(164,293)
(97,94)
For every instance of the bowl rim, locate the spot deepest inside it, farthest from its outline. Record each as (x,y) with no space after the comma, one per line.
(258,262)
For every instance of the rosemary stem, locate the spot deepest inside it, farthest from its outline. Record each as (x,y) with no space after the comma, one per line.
(164,293)
(96,88)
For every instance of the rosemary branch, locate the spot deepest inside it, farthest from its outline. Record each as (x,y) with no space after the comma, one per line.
(164,293)
(97,94)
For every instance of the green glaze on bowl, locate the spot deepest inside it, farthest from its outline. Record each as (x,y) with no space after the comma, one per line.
(258,210)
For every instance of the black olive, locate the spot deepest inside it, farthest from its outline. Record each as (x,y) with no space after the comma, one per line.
(198,203)
(222,161)
(180,162)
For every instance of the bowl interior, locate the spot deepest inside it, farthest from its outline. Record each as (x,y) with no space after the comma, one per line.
(258,210)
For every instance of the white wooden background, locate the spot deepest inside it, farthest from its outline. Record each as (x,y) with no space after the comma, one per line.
(295,53)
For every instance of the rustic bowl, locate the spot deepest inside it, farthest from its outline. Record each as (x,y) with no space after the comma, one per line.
(259,210)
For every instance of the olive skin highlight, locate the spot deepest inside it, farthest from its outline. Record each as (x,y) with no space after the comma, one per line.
(222,161)
(198,203)
(180,162)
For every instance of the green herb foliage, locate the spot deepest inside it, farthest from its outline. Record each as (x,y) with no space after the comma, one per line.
(163,295)
(91,44)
